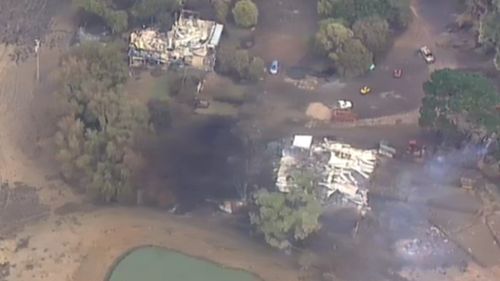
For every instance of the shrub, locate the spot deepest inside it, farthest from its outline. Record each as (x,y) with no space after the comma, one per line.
(245,13)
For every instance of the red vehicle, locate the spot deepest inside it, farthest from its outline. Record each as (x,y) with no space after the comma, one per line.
(397,73)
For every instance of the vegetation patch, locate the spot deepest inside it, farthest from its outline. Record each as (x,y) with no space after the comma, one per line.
(96,136)
(460,105)
(354,33)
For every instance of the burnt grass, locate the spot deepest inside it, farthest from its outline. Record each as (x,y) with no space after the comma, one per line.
(23,21)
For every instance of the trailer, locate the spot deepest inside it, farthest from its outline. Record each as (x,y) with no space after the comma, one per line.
(343,115)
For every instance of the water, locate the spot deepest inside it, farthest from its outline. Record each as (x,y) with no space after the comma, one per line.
(157,264)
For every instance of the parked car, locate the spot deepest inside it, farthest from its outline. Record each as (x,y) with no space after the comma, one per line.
(344,104)
(365,90)
(397,73)
(426,53)
(274,68)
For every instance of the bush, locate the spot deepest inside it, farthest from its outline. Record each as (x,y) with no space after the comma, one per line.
(240,62)
(221,8)
(256,69)
(354,59)
(116,20)
(101,127)
(284,218)
(374,33)
(245,13)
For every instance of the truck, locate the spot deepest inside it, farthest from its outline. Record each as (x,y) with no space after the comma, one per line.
(426,54)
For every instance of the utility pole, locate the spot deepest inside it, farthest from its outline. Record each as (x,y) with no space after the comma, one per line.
(37,49)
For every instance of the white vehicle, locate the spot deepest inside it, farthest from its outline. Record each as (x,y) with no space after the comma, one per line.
(344,104)
(426,53)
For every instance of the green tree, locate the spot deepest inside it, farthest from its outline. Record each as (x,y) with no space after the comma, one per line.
(374,33)
(221,8)
(399,14)
(484,17)
(354,59)
(245,13)
(239,63)
(349,56)
(330,36)
(97,135)
(153,9)
(116,20)
(396,12)
(458,102)
(286,217)
(340,9)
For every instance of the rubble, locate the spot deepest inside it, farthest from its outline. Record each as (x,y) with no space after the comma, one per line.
(386,150)
(191,41)
(343,171)
(432,244)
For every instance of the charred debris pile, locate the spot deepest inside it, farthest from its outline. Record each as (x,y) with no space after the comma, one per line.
(341,172)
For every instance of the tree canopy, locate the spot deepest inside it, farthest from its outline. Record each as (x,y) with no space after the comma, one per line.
(96,137)
(239,63)
(373,32)
(221,8)
(136,10)
(484,17)
(396,12)
(245,13)
(117,20)
(348,54)
(460,102)
(353,59)
(370,21)
(287,217)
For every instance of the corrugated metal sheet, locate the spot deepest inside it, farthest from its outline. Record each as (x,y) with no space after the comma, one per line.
(216,35)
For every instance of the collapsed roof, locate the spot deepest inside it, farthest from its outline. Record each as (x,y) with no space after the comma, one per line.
(191,41)
(343,171)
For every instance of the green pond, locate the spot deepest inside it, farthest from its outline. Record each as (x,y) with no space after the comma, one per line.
(158,264)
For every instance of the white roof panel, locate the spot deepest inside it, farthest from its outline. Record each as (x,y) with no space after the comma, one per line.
(302,141)
(216,35)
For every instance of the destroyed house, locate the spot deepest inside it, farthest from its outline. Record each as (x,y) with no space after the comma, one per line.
(343,172)
(190,42)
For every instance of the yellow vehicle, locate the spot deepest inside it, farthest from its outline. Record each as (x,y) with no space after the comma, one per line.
(365,90)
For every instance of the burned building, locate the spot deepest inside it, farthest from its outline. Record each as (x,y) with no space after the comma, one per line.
(341,170)
(191,42)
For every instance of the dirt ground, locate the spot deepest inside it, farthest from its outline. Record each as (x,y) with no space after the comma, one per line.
(77,242)
(83,245)
(89,243)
